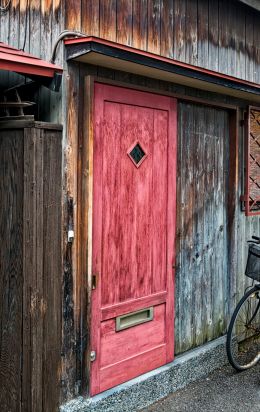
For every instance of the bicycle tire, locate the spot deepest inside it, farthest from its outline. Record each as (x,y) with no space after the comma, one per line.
(243,336)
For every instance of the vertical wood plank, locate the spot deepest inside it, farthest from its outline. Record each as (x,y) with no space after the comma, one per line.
(167,16)
(231,37)
(249,46)
(140,22)
(73,15)
(256,48)
(11,271)
(34,19)
(179,29)
(29,264)
(24,27)
(52,269)
(191,52)
(111,173)
(124,22)
(240,46)
(158,232)
(214,33)
(85,219)
(199,258)
(203,33)
(108,19)
(14,24)
(202,230)
(71,290)
(223,36)
(154,26)
(90,17)
(235,219)
(37,310)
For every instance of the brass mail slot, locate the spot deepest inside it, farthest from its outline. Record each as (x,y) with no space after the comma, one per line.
(134,318)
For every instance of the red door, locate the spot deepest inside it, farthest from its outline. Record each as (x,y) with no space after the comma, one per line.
(133,234)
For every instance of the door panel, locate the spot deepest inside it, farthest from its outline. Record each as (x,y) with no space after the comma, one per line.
(133,231)
(202,225)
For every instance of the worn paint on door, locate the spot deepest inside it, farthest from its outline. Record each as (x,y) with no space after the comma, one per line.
(133,234)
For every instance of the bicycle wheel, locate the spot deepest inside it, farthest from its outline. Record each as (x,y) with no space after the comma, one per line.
(243,336)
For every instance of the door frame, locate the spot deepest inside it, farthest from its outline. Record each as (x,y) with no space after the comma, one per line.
(84,201)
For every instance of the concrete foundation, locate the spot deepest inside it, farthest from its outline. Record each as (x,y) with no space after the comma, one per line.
(148,388)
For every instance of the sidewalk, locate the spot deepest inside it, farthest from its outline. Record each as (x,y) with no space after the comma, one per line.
(223,390)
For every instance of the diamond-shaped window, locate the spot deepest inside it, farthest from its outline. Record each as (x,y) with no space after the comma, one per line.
(137,154)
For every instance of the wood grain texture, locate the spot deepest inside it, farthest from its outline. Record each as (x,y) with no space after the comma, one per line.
(191,35)
(202,226)
(154,26)
(132,253)
(113,311)
(179,29)
(132,366)
(140,21)
(90,26)
(167,28)
(30,314)
(160,26)
(238,228)
(11,268)
(107,15)
(203,32)
(52,285)
(127,343)
(124,22)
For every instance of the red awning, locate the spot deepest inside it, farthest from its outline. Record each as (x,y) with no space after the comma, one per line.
(18,61)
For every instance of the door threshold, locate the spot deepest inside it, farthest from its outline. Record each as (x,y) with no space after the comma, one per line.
(150,387)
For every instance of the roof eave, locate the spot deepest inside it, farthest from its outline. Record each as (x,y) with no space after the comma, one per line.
(102,52)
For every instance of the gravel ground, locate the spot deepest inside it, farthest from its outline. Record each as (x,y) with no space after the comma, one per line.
(223,390)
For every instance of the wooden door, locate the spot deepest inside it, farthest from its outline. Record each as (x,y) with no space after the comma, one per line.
(133,234)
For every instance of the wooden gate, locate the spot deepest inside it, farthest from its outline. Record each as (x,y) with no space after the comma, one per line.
(133,234)
(30,266)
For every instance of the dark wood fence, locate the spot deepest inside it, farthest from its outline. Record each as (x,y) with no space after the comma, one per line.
(30,266)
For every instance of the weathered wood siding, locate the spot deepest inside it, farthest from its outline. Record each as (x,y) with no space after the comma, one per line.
(216,34)
(202,276)
(30,269)
(219,35)
(11,268)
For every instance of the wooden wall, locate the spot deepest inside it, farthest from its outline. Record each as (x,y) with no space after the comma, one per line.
(30,268)
(203,275)
(217,34)
(33,26)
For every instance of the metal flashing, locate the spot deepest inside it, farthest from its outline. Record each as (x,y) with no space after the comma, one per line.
(15,60)
(105,53)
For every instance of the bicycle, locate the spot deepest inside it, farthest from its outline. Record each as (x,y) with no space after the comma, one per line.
(243,335)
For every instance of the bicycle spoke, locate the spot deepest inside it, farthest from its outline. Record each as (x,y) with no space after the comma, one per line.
(243,342)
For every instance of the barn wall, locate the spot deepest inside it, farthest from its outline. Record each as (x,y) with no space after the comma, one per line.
(219,35)
(190,330)
(33,26)
(202,278)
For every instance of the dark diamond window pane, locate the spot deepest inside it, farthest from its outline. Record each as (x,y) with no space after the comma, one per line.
(137,154)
